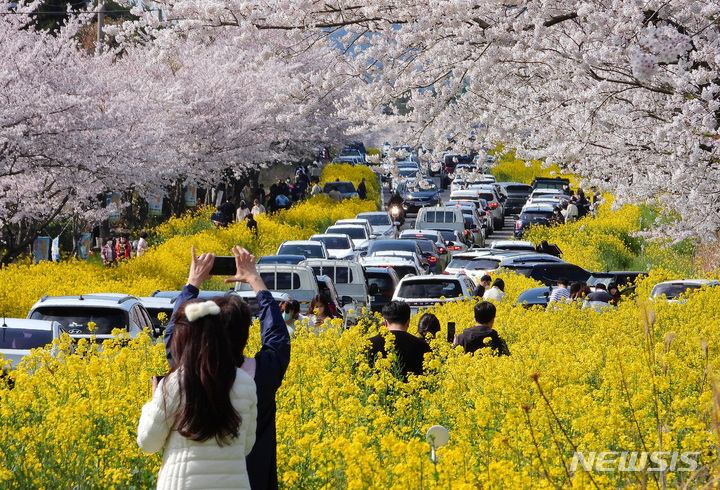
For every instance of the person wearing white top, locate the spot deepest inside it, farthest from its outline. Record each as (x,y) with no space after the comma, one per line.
(257,208)
(204,413)
(496,292)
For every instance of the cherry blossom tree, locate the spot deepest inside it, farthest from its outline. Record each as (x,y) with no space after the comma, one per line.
(623,92)
(57,137)
(170,106)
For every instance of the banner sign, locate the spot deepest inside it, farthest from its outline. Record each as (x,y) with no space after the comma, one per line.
(84,245)
(55,249)
(41,249)
(191,195)
(113,201)
(155,202)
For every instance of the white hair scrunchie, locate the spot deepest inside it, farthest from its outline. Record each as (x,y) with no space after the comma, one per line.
(196,311)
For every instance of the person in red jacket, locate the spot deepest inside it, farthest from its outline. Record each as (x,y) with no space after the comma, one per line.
(122,249)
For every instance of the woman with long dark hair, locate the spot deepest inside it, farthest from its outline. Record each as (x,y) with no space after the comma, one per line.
(268,366)
(320,310)
(204,412)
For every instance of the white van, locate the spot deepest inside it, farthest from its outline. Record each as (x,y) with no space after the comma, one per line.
(440,218)
(298,281)
(348,277)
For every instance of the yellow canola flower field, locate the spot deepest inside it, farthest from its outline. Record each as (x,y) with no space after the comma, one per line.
(638,379)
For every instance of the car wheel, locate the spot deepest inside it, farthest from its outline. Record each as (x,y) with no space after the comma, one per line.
(499,224)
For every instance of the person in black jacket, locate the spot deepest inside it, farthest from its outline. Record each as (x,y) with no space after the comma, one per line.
(362,190)
(410,350)
(270,364)
(482,335)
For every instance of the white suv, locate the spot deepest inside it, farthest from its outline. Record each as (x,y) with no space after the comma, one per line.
(106,311)
(425,291)
(480,262)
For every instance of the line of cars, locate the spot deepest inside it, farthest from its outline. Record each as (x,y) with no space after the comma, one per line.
(371,280)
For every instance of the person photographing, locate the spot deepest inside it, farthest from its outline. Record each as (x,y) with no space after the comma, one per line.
(267,368)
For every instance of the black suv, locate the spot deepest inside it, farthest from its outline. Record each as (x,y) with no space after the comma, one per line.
(548,273)
(550,183)
(517,196)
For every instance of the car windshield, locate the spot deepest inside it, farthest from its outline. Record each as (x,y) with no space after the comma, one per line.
(308,250)
(75,320)
(24,338)
(519,189)
(674,290)
(383,245)
(281,259)
(404,270)
(281,280)
(354,232)
(474,263)
(376,219)
(421,185)
(430,289)
(534,215)
(333,242)
(426,246)
(440,216)
(384,282)
(419,236)
(155,313)
(349,152)
(488,196)
(449,236)
(408,172)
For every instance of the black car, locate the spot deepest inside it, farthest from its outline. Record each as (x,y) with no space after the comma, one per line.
(418,194)
(548,273)
(622,279)
(517,195)
(534,297)
(550,183)
(382,282)
(534,214)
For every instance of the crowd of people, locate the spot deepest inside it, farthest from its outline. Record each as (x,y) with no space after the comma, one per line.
(579,292)
(281,195)
(576,207)
(118,249)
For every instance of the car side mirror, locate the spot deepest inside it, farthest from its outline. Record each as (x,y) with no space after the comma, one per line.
(373,237)
(346,300)
(412,224)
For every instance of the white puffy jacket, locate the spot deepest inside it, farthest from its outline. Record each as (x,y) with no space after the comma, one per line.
(190,464)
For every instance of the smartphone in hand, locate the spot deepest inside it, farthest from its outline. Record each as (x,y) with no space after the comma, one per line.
(223,266)
(451,332)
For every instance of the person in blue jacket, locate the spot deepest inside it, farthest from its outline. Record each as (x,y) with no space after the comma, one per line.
(270,363)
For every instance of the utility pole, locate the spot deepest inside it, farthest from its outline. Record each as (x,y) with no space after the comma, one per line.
(101,24)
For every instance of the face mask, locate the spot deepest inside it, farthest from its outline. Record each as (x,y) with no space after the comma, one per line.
(286,316)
